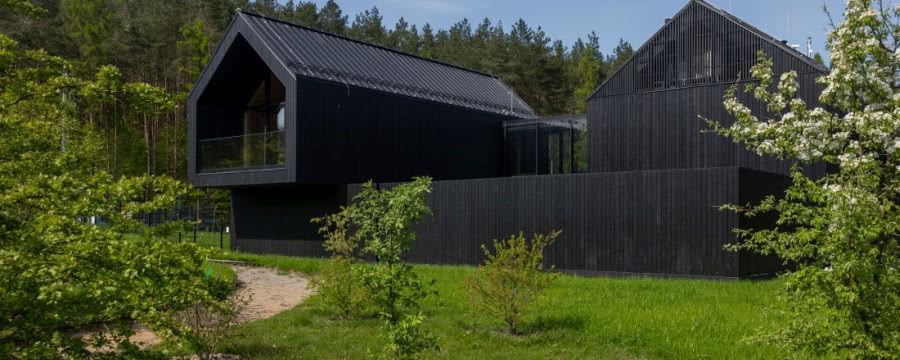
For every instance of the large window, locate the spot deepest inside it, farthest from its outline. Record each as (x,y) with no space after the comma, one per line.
(546,146)
(260,142)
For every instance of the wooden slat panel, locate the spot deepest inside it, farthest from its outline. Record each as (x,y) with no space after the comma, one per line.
(649,222)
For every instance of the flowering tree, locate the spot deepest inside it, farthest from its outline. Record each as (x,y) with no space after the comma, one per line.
(841,230)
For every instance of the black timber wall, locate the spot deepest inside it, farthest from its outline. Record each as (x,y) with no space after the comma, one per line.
(347,135)
(276,219)
(663,129)
(646,116)
(642,222)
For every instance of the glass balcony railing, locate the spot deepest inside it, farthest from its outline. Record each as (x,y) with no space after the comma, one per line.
(241,152)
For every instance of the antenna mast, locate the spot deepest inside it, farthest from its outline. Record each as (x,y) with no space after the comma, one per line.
(809,52)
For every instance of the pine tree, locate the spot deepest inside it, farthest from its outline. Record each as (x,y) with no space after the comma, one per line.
(331,18)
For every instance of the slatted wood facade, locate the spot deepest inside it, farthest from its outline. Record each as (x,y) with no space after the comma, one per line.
(647,116)
(642,222)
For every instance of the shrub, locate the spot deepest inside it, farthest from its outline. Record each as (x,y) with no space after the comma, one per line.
(210,323)
(511,279)
(339,285)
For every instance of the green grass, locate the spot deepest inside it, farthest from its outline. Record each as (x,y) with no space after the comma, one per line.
(580,318)
(205,239)
(223,271)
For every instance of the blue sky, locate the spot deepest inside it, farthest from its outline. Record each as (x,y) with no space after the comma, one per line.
(632,20)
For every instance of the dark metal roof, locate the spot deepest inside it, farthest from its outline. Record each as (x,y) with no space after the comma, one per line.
(573,121)
(322,55)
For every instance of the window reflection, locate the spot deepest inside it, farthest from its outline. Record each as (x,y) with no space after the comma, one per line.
(261,142)
(546,146)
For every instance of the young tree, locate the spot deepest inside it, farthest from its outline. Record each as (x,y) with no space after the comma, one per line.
(840,231)
(383,220)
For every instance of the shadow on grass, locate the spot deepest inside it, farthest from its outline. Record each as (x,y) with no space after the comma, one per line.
(549,323)
(255,349)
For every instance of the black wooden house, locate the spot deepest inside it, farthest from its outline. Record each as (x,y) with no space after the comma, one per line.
(292,119)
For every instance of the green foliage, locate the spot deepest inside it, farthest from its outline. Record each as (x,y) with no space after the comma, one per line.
(407,340)
(209,324)
(336,230)
(840,231)
(340,281)
(195,51)
(588,74)
(92,25)
(511,280)
(340,286)
(819,59)
(383,221)
(22,7)
(59,273)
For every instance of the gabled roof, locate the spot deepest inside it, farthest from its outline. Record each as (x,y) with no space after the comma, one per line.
(729,17)
(317,54)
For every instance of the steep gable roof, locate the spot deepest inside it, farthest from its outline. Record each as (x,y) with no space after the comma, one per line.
(727,27)
(317,54)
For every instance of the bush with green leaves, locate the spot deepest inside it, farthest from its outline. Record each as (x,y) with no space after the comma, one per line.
(383,220)
(512,278)
(840,231)
(210,324)
(58,273)
(339,284)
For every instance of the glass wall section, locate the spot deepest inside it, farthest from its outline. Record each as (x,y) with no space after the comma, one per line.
(521,149)
(546,146)
(260,142)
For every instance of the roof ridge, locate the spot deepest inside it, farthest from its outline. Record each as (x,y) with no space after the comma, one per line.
(763,35)
(343,37)
(728,16)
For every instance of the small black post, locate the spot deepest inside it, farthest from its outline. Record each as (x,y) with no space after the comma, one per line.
(221,235)
(195,233)
(179,237)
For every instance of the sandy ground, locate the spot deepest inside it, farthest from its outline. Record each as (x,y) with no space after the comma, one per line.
(270,293)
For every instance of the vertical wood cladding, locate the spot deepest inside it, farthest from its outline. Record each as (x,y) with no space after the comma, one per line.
(647,116)
(276,219)
(347,134)
(645,222)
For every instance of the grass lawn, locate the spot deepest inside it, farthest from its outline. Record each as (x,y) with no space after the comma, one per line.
(580,318)
(204,238)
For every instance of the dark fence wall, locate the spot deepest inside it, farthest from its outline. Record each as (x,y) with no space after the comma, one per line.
(644,222)
(348,135)
(654,222)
